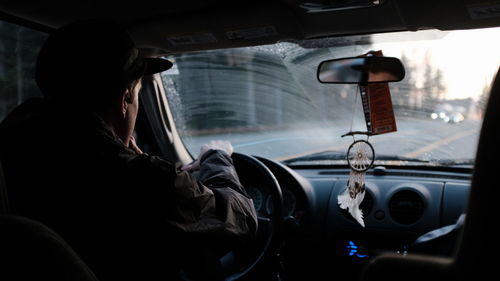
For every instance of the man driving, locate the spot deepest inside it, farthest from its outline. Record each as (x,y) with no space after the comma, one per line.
(71,162)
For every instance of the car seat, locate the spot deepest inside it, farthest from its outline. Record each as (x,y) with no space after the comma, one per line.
(30,250)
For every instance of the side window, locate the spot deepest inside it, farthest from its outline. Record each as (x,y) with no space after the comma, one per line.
(19,48)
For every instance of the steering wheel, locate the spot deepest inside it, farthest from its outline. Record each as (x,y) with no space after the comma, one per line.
(241,262)
(267,242)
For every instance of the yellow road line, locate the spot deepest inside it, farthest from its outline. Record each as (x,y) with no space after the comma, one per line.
(413,154)
(439,143)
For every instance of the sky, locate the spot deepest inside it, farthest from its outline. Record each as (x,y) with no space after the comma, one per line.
(468,58)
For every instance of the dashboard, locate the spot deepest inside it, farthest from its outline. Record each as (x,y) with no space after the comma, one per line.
(400,205)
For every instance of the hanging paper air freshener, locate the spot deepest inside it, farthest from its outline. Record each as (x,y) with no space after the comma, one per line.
(360,157)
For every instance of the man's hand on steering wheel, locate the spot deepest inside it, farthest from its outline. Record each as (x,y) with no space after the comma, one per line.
(215,145)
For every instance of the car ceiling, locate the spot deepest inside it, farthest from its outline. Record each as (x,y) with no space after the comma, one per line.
(163,27)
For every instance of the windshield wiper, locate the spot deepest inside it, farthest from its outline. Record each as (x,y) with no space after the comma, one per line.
(329,155)
(433,162)
(339,157)
(456,162)
(387,157)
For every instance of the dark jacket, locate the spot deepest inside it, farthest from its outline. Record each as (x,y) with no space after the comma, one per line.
(128,216)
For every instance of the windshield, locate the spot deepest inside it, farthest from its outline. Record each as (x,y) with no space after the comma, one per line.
(268,102)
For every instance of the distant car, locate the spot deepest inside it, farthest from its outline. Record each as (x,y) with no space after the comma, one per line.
(454,117)
(436,115)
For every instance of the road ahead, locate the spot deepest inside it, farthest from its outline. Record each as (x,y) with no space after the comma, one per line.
(423,139)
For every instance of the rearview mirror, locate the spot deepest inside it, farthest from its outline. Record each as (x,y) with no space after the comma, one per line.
(361,70)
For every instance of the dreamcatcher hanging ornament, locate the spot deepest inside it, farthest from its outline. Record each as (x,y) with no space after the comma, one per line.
(360,157)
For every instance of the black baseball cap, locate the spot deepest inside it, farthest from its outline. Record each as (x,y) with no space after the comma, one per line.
(91,56)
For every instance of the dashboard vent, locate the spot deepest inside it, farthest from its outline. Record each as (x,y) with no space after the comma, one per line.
(366,206)
(406,207)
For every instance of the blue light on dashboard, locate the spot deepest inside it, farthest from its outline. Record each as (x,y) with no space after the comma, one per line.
(353,250)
